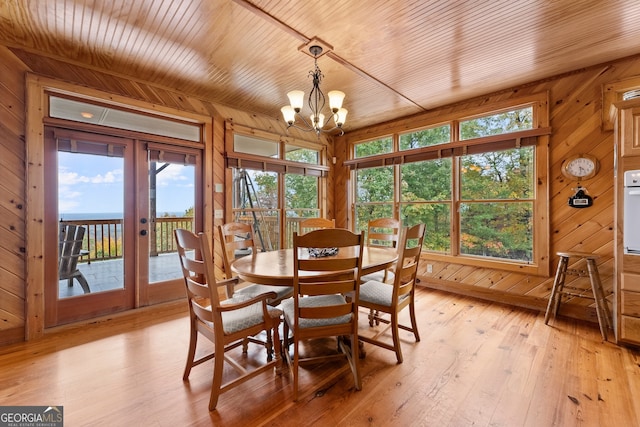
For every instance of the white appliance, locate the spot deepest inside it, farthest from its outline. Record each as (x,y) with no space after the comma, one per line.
(631,239)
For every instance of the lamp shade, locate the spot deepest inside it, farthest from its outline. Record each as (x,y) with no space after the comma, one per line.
(335,100)
(341,116)
(320,121)
(296,99)
(289,114)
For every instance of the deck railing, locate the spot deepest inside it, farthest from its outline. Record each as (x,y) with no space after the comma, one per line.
(103,237)
(266,224)
(165,241)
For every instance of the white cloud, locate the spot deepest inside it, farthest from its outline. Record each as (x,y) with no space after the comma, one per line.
(109,177)
(73,178)
(171,175)
(70,178)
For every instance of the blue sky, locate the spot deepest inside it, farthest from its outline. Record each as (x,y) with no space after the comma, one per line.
(95,184)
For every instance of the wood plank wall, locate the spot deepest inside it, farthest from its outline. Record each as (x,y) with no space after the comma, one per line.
(576,121)
(12,196)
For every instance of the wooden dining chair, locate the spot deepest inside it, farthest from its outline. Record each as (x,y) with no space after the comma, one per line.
(383,233)
(227,323)
(311,224)
(383,298)
(325,299)
(238,239)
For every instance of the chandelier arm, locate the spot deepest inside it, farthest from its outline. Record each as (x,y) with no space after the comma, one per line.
(301,117)
(311,128)
(300,128)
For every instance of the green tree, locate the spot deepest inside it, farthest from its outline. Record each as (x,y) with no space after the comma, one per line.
(301,191)
(488,226)
(266,190)
(426,198)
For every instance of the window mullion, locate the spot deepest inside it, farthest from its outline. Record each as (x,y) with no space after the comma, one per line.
(397,195)
(455,206)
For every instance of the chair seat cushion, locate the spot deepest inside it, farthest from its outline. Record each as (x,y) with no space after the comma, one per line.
(237,320)
(252,290)
(377,293)
(378,276)
(314,301)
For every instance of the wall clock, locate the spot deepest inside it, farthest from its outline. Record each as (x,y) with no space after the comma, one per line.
(580,167)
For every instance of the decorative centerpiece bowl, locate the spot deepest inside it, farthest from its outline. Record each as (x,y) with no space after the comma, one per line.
(321,252)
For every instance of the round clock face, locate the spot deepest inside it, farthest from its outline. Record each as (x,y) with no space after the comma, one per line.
(580,167)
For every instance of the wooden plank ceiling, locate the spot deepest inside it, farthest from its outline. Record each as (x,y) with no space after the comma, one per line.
(391,58)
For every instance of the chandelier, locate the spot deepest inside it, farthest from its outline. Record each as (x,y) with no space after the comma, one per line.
(316,102)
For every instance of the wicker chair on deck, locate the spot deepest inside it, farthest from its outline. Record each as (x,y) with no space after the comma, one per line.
(70,251)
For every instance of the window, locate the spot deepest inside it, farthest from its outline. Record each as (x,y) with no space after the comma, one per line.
(103,115)
(257,201)
(497,124)
(496,204)
(276,183)
(425,138)
(301,199)
(302,155)
(428,201)
(374,195)
(471,180)
(370,148)
(253,145)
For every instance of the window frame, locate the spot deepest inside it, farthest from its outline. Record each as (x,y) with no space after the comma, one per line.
(276,164)
(538,136)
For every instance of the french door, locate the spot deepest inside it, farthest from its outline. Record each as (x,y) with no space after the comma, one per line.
(112,204)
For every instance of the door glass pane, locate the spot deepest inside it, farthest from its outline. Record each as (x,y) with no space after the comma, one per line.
(171,206)
(90,206)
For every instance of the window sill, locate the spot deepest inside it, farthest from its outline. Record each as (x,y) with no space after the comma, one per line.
(540,269)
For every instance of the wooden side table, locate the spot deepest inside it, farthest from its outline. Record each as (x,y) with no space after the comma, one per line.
(559,289)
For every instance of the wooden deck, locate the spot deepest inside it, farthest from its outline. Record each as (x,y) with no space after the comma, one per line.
(478,363)
(108,274)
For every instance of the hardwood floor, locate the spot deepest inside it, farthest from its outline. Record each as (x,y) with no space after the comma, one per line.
(478,363)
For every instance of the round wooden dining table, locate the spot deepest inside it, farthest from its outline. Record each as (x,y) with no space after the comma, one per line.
(276,267)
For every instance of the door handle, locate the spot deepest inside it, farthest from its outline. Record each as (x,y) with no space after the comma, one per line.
(143,232)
